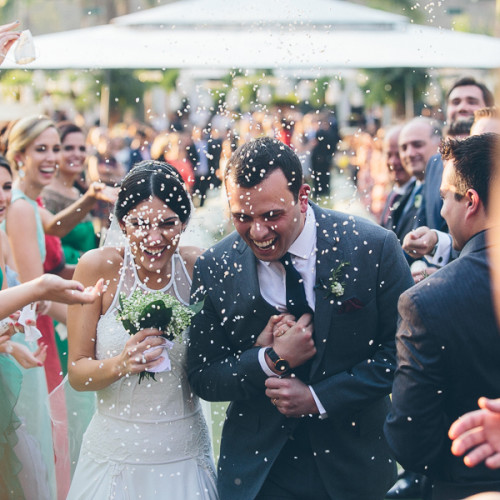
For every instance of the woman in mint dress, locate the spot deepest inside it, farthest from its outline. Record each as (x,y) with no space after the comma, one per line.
(60,194)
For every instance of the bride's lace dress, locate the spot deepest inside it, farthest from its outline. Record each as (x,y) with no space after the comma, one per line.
(147,440)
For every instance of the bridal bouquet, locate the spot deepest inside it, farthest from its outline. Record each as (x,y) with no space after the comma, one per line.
(159,310)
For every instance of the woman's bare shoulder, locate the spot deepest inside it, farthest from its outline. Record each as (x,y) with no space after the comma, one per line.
(104,260)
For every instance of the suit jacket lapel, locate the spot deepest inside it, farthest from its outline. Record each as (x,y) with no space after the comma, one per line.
(329,256)
(257,310)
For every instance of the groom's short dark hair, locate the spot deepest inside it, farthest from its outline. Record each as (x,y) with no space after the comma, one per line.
(254,161)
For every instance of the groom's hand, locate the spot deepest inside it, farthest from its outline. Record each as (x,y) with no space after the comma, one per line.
(291,396)
(296,344)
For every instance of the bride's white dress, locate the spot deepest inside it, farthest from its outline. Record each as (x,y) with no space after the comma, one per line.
(147,440)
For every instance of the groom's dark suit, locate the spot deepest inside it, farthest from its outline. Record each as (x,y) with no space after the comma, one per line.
(448,356)
(351,373)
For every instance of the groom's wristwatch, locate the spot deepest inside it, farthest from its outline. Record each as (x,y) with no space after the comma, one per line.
(281,365)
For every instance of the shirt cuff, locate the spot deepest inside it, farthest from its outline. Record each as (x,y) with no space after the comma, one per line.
(442,254)
(264,365)
(321,408)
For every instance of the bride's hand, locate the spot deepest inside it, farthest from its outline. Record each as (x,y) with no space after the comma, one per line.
(134,359)
(272,328)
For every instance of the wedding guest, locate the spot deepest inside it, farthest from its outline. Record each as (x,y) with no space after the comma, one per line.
(308,402)
(448,342)
(103,167)
(403,183)
(486,120)
(171,147)
(27,454)
(477,433)
(148,438)
(8,38)
(34,154)
(63,191)
(25,472)
(430,238)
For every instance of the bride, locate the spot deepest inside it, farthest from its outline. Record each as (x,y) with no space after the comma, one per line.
(148,439)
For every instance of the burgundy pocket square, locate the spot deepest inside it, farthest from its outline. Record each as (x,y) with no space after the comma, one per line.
(350,305)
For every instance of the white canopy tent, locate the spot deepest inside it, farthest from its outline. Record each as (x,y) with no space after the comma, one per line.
(285,34)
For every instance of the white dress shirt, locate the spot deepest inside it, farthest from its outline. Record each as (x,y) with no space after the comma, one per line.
(272,281)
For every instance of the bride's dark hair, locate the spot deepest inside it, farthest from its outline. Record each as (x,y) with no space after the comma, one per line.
(153,178)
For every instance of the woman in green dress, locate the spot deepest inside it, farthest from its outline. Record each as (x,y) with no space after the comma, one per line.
(63,191)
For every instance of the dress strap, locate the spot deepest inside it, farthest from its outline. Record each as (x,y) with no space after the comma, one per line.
(181,279)
(124,280)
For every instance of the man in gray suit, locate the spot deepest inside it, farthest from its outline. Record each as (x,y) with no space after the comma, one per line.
(448,342)
(309,394)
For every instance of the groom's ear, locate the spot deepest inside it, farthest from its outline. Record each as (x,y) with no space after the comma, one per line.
(304,191)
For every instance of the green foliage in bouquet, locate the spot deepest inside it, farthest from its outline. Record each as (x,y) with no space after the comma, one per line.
(141,310)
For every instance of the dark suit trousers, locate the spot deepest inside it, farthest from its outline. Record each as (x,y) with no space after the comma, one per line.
(294,475)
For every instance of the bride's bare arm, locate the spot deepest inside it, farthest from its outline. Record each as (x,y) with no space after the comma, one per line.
(85,372)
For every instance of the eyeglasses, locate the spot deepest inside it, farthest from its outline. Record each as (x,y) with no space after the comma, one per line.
(82,149)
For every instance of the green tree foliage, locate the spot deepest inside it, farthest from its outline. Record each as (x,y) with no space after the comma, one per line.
(388,85)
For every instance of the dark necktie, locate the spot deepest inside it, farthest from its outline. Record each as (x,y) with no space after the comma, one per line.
(296,302)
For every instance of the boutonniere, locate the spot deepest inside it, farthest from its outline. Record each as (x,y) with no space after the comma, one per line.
(418,201)
(395,206)
(335,284)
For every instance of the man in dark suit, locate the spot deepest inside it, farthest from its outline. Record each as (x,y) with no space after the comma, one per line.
(403,183)
(204,152)
(308,399)
(448,342)
(429,237)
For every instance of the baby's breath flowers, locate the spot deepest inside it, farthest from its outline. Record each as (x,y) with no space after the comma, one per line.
(141,310)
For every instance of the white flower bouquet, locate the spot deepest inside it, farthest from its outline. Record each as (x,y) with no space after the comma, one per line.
(141,310)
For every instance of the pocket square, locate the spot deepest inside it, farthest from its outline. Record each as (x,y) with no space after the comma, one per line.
(350,305)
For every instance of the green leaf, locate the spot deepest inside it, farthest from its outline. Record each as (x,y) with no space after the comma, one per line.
(120,301)
(155,315)
(147,375)
(129,326)
(197,307)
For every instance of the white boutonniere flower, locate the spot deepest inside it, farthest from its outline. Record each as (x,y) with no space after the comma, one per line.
(418,201)
(336,285)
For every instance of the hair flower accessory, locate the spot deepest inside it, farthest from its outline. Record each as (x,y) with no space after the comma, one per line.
(141,310)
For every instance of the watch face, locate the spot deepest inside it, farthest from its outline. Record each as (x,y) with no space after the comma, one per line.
(282,365)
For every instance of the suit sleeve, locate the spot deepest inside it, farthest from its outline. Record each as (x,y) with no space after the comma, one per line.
(369,380)
(215,371)
(416,428)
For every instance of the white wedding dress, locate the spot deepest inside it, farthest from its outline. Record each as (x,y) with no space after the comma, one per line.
(149,440)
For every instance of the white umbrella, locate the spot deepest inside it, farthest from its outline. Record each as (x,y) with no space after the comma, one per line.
(222,34)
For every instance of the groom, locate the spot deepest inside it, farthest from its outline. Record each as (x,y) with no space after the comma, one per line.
(307,409)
